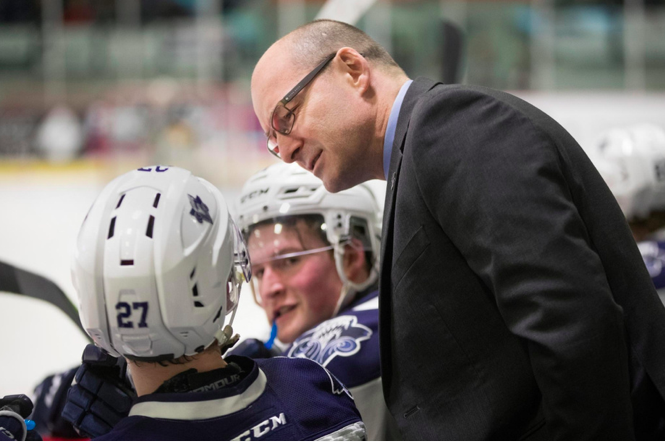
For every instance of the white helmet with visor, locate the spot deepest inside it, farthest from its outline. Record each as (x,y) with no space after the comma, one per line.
(284,193)
(632,162)
(158,266)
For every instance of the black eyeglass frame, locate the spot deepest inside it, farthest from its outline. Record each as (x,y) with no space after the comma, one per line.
(290,96)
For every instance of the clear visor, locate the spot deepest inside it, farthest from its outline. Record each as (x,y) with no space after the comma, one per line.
(241,255)
(240,272)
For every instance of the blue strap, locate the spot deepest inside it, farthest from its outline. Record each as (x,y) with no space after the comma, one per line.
(273,335)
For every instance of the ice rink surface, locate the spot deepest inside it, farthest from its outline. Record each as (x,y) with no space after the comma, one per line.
(41,210)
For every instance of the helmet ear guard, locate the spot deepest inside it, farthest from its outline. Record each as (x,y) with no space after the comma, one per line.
(357,230)
(631,160)
(157,266)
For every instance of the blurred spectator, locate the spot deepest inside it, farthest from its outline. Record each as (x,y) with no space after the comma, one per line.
(60,136)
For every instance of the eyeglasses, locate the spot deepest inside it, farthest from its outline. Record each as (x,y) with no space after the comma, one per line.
(285,262)
(283,118)
(285,265)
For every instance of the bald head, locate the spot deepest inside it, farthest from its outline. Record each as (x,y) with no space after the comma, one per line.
(334,120)
(311,43)
(314,41)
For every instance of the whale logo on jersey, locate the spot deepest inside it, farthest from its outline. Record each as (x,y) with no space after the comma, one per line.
(340,336)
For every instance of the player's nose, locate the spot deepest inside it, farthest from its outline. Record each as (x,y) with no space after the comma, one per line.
(272,284)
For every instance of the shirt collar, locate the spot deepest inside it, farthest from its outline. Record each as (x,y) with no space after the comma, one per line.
(392,126)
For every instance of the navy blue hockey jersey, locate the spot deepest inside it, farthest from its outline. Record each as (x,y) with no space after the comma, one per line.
(278,399)
(348,346)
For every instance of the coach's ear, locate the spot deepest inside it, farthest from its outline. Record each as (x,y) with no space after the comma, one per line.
(355,68)
(355,267)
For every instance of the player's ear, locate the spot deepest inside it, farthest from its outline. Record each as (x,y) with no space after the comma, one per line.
(355,67)
(354,261)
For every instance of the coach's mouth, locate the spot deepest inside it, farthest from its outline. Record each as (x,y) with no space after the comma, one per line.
(314,162)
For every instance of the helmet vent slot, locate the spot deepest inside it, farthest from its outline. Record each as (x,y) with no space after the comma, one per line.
(122,197)
(198,304)
(195,291)
(111,228)
(151,223)
(191,275)
(126,262)
(219,313)
(298,192)
(156,202)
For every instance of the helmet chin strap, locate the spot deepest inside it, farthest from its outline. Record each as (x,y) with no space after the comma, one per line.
(349,288)
(225,337)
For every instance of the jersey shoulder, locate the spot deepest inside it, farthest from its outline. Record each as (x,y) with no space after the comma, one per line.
(294,378)
(311,394)
(653,254)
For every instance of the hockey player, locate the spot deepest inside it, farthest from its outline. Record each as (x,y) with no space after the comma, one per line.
(157,268)
(315,260)
(632,162)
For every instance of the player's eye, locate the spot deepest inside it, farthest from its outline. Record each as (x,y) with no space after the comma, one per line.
(292,261)
(285,264)
(257,272)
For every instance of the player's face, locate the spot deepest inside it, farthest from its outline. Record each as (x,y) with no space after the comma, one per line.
(332,129)
(296,292)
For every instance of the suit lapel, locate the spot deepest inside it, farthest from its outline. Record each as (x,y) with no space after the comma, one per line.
(416,90)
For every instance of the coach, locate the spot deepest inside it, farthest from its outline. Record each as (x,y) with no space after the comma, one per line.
(514,303)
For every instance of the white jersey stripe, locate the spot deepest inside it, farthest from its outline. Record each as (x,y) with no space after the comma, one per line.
(202,409)
(355,431)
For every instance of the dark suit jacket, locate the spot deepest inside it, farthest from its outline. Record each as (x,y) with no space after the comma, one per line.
(514,302)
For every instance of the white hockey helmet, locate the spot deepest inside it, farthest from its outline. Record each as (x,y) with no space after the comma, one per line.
(632,162)
(283,191)
(158,265)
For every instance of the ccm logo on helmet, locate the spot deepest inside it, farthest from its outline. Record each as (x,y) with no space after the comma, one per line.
(254,194)
(260,430)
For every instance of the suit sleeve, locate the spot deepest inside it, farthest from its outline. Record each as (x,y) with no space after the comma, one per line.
(495,182)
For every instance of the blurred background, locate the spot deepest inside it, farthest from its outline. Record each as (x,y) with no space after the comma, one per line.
(90,89)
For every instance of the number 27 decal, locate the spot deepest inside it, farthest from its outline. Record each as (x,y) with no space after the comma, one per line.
(125,311)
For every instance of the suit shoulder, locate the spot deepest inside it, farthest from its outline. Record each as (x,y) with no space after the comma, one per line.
(478,105)
(463,92)
(455,98)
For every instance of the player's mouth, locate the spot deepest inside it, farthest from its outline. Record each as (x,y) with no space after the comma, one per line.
(284,310)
